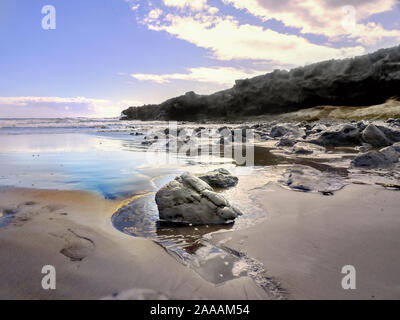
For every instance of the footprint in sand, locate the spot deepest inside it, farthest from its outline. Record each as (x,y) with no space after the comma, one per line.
(77,247)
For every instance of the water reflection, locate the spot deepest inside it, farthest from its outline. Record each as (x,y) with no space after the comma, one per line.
(186,242)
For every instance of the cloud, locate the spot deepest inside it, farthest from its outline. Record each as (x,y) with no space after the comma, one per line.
(324,17)
(228,40)
(192,4)
(217,75)
(57,107)
(155,13)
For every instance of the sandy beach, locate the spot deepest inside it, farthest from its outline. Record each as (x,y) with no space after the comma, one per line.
(303,244)
(84,202)
(79,224)
(308,238)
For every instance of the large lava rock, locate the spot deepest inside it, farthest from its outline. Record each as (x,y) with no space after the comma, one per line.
(375,137)
(340,136)
(385,157)
(189,199)
(220,178)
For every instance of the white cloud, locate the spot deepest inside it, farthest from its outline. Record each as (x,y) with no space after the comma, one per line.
(228,40)
(192,4)
(135,7)
(323,17)
(155,13)
(61,107)
(218,75)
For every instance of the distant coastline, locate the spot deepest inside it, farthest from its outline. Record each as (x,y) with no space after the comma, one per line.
(366,80)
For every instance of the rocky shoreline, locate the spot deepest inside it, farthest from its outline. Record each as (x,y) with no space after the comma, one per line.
(361,81)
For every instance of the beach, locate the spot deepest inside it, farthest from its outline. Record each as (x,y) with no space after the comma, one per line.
(111,262)
(81,199)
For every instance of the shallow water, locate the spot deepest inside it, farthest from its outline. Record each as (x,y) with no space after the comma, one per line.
(102,156)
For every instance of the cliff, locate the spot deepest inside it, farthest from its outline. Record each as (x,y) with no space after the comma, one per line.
(361,81)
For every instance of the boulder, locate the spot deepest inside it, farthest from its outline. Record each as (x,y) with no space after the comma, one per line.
(385,157)
(304,148)
(220,178)
(286,142)
(391,133)
(188,199)
(375,137)
(285,129)
(297,149)
(339,136)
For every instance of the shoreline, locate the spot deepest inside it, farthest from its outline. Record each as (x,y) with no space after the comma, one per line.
(305,243)
(117,262)
(302,246)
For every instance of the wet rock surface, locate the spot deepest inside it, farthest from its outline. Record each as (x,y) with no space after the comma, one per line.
(219,178)
(342,135)
(385,157)
(307,179)
(375,137)
(188,199)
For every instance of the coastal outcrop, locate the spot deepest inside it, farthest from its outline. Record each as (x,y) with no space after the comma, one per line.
(361,81)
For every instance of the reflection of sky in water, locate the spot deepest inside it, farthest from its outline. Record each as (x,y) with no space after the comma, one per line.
(112,164)
(73,161)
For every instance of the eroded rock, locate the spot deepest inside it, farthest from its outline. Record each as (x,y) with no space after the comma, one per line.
(286,129)
(189,199)
(339,136)
(220,178)
(375,137)
(385,157)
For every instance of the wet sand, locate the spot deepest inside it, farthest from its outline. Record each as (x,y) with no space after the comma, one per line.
(289,244)
(308,238)
(72,231)
(303,242)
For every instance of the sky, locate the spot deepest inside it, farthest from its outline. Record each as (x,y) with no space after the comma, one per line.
(95,58)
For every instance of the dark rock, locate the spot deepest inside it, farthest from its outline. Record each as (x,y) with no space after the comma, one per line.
(286,142)
(391,133)
(188,199)
(344,135)
(220,178)
(286,129)
(375,137)
(385,157)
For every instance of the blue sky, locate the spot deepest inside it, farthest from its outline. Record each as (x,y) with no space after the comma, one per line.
(106,55)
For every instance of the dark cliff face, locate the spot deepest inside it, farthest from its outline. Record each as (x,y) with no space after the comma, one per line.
(360,81)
